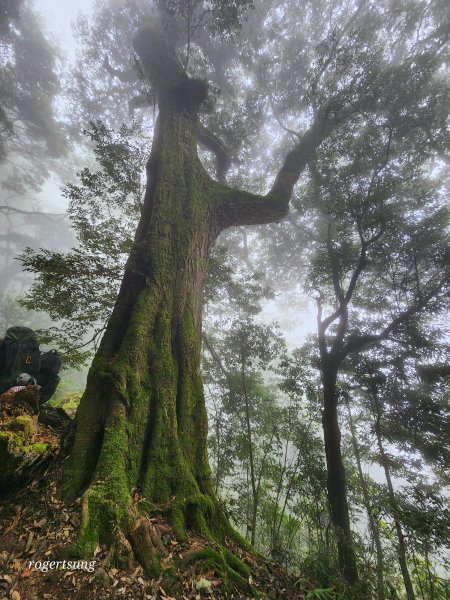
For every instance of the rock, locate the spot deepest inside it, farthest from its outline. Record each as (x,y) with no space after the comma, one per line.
(19,462)
(25,401)
(27,444)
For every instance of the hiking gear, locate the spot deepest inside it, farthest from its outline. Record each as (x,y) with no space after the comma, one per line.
(25,379)
(51,361)
(19,353)
(48,377)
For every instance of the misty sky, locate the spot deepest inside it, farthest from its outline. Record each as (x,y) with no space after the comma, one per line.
(58,16)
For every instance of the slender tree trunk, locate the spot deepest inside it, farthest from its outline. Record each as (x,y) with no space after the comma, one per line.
(255,491)
(218,450)
(372,519)
(429,573)
(336,481)
(401,548)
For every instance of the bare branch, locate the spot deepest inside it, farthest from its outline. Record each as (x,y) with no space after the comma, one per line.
(356,343)
(7,210)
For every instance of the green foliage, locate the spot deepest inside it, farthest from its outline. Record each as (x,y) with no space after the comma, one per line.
(78,289)
(219,16)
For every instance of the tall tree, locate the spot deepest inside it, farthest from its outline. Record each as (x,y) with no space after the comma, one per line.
(31,137)
(141,422)
(379,262)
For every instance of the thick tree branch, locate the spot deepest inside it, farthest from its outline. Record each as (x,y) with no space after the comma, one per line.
(129,76)
(297,159)
(356,343)
(238,207)
(159,60)
(173,88)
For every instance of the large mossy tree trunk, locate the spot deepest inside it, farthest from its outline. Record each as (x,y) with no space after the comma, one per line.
(142,424)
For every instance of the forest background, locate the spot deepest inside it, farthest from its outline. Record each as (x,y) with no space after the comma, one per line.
(333,317)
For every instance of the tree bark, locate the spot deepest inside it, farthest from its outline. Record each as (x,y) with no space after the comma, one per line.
(336,480)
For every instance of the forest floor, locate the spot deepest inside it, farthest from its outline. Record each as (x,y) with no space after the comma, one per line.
(37,529)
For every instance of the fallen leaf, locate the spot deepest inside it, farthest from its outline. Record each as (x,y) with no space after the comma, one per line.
(39,524)
(15,520)
(135,572)
(25,573)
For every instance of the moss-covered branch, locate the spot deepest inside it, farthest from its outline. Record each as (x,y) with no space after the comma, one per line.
(238,207)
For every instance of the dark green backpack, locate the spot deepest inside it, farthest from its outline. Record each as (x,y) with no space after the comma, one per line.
(19,354)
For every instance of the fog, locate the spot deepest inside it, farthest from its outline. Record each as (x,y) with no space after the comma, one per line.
(345,106)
